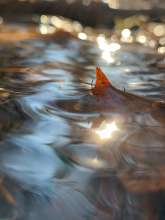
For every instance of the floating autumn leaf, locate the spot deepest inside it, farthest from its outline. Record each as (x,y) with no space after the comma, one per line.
(102,83)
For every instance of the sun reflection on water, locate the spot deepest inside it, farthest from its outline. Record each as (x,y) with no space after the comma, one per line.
(107,56)
(141,39)
(106,130)
(129,30)
(82,36)
(108,48)
(46,29)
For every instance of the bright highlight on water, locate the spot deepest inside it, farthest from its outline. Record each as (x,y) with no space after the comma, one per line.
(106,130)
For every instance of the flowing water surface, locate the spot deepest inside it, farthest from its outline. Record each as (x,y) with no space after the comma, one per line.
(52,163)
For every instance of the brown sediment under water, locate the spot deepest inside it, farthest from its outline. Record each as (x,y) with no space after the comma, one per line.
(62,156)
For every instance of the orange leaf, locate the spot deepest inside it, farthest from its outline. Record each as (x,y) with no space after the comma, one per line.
(102,83)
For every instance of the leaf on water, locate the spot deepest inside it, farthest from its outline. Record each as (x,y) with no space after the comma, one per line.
(102,83)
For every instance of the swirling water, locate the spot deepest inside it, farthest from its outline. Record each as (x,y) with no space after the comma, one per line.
(51,163)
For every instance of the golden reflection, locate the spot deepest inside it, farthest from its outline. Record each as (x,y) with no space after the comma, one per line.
(77,26)
(113,3)
(57,22)
(102,43)
(4,93)
(46,29)
(127,40)
(151,34)
(141,39)
(159,30)
(106,55)
(105,45)
(108,48)
(106,130)
(44,19)
(126,35)
(43,29)
(82,36)
(161,50)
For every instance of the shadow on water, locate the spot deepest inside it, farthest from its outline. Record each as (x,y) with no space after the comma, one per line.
(52,164)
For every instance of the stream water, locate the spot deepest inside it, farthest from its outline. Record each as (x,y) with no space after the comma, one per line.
(50,163)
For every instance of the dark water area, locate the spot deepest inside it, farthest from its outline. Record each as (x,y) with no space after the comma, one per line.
(53,165)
